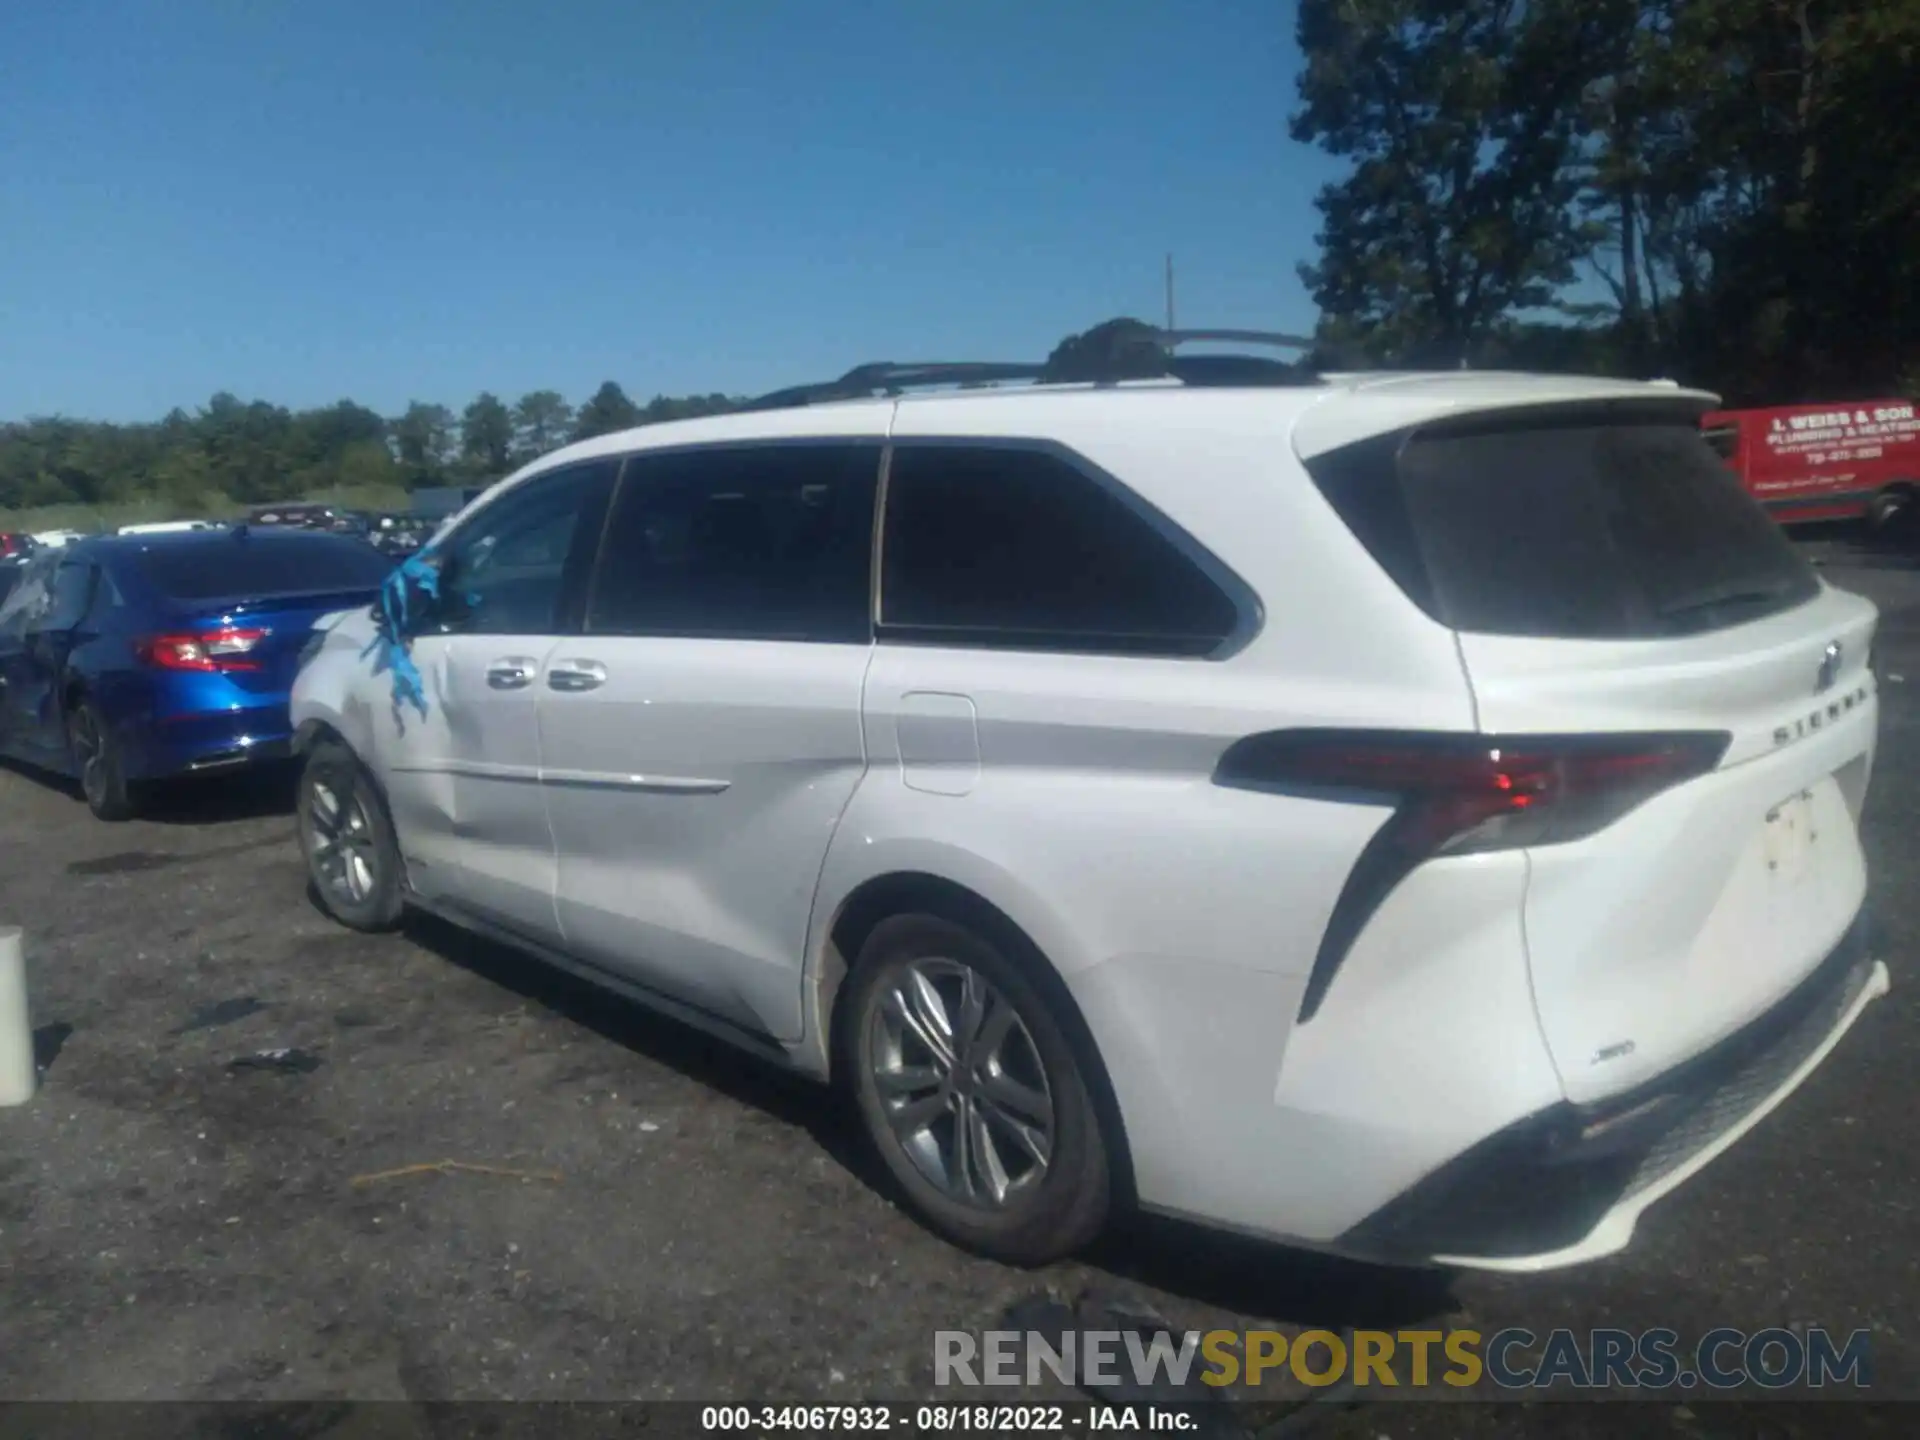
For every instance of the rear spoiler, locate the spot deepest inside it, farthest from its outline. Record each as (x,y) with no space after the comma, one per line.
(1372,411)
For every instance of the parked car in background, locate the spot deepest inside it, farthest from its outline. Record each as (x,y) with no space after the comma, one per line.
(299,514)
(1432,838)
(16,544)
(436,503)
(126,659)
(54,539)
(169,527)
(399,534)
(1824,462)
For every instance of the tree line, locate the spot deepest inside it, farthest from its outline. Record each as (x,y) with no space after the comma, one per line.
(247,452)
(1718,191)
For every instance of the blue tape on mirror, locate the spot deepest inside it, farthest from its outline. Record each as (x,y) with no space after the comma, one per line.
(394,625)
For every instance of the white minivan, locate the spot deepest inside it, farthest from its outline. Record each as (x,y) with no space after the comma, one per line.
(1413,816)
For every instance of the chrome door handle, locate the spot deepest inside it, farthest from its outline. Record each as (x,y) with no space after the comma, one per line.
(574,675)
(513,674)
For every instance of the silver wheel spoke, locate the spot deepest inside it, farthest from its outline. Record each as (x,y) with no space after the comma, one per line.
(973,1010)
(996,1023)
(1019,1099)
(907,1080)
(921,1012)
(325,812)
(359,873)
(1033,1139)
(915,1116)
(991,1174)
(960,1162)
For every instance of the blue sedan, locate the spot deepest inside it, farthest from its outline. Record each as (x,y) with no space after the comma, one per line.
(125,659)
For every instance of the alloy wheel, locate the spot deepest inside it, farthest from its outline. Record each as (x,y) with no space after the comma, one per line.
(961,1083)
(90,752)
(345,858)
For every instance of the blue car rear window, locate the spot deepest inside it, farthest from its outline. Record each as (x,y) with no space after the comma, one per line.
(284,566)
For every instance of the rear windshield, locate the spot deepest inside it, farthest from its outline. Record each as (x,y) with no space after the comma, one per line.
(237,569)
(1573,529)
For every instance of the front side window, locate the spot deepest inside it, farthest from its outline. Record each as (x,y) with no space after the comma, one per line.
(768,542)
(512,568)
(1012,546)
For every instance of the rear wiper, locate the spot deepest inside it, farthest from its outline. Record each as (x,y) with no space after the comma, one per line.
(1716,601)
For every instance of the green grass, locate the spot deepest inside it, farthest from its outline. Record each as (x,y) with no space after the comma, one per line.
(93,518)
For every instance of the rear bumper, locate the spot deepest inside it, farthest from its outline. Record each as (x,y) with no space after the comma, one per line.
(1568,1184)
(208,742)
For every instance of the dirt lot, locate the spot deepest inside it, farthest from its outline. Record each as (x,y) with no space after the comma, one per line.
(172,1229)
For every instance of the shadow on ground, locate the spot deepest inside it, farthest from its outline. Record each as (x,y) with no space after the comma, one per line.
(738,1074)
(1258,1277)
(216,799)
(1230,1272)
(201,800)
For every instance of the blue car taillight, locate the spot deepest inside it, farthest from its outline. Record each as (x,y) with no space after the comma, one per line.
(226,649)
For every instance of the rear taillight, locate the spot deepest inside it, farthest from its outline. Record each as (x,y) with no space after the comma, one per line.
(1457,795)
(228,648)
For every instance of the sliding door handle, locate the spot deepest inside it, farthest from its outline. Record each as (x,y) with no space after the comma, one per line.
(573,675)
(510,674)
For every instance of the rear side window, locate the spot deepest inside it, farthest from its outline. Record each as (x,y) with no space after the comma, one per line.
(1008,546)
(29,595)
(232,569)
(1566,528)
(72,595)
(768,542)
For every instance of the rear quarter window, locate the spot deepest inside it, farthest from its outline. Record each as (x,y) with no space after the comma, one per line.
(1568,527)
(1009,546)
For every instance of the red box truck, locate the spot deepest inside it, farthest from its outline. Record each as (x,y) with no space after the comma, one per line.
(1824,462)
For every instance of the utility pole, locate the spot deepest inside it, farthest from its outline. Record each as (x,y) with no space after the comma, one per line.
(1169,290)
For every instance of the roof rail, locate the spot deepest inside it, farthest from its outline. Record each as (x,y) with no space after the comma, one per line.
(1170,339)
(892,378)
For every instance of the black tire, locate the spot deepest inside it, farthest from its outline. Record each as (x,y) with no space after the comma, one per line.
(330,845)
(98,763)
(1055,1210)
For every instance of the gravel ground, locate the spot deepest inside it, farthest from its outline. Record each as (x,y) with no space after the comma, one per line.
(688,1225)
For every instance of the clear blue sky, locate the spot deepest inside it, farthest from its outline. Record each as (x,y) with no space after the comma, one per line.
(422,199)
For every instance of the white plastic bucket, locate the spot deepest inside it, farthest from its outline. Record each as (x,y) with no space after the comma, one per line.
(17,1077)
